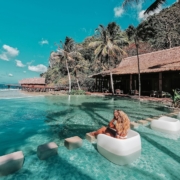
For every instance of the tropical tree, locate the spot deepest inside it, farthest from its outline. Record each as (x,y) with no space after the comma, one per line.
(137,34)
(66,52)
(107,48)
(155,5)
(80,66)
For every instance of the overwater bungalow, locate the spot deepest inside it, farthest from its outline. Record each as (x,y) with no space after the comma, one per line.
(160,71)
(34,84)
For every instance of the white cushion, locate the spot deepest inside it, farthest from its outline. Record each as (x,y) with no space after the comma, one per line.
(166,124)
(120,151)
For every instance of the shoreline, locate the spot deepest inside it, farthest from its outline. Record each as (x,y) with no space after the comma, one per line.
(50,93)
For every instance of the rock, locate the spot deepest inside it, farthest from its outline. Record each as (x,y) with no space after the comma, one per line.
(134,125)
(45,151)
(143,122)
(73,142)
(11,163)
(149,119)
(90,138)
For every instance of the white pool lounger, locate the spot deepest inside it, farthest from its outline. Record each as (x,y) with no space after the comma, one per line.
(166,124)
(120,151)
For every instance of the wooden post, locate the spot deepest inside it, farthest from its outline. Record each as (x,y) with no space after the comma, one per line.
(101,83)
(130,82)
(96,84)
(160,81)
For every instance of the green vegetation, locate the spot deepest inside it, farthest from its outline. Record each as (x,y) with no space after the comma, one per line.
(77,92)
(176,98)
(107,47)
(73,63)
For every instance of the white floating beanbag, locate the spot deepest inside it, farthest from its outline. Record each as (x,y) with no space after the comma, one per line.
(120,151)
(166,124)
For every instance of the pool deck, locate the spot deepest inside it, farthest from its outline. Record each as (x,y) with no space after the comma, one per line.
(166,101)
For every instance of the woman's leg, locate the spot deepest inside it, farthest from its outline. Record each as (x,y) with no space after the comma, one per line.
(111,133)
(99,131)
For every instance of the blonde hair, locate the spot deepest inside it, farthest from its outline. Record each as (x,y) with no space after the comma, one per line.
(124,124)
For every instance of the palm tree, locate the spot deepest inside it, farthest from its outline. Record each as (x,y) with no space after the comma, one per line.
(142,32)
(155,5)
(80,65)
(133,34)
(66,52)
(106,47)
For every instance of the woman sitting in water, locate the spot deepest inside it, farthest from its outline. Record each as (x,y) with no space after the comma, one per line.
(117,127)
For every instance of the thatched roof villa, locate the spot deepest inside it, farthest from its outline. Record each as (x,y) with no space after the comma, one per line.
(160,70)
(32,84)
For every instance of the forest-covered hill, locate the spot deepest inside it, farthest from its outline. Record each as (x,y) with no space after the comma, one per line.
(165,33)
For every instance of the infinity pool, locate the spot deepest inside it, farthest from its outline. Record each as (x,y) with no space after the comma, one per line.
(27,122)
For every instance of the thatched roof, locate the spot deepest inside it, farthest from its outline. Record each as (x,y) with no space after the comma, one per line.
(33,81)
(158,61)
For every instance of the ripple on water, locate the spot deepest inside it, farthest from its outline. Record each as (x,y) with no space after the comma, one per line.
(29,122)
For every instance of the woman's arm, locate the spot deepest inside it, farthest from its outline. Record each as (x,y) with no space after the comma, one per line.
(111,124)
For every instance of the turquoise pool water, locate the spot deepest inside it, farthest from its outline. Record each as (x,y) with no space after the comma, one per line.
(27,122)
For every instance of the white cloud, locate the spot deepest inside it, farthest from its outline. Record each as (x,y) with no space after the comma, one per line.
(118,11)
(43,41)
(29,63)
(24,71)
(8,52)
(142,16)
(39,68)
(10,75)
(19,63)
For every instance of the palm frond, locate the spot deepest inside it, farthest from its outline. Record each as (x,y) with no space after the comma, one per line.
(154,6)
(121,42)
(127,2)
(104,51)
(95,44)
(119,50)
(98,49)
(109,44)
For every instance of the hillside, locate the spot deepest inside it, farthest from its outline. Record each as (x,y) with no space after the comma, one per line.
(166,27)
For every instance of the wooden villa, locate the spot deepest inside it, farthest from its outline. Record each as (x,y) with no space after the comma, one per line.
(160,71)
(34,84)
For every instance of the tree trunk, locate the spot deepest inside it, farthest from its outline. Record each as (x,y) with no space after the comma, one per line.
(111,78)
(78,83)
(112,86)
(68,76)
(139,75)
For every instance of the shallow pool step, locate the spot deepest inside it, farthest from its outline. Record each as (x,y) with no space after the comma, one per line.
(47,150)
(174,113)
(143,122)
(90,138)
(73,142)
(11,163)
(134,125)
(149,119)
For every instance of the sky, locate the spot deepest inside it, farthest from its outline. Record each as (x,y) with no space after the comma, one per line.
(30,29)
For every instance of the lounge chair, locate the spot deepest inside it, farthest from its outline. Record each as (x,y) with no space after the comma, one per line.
(120,151)
(153,93)
(166,124)
(134,92)
(161,94)
(118,91)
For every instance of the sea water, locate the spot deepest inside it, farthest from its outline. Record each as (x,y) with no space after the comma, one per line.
(27,122)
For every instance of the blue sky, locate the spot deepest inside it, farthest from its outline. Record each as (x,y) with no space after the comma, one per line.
(29,29)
